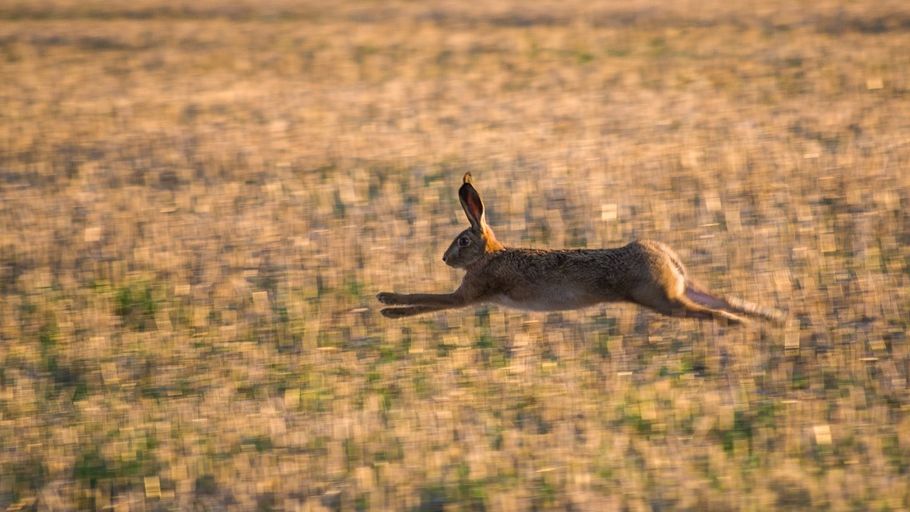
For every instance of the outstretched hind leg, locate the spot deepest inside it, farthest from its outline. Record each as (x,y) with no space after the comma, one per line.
(684,307)
(704,298)
(692,310)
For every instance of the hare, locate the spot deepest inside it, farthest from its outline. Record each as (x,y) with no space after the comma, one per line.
(644,272)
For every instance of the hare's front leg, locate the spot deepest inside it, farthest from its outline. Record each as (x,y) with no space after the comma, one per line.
(453,300)
(402,311)
(416,303)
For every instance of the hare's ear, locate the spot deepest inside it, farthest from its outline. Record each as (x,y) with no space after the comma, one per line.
(470,201)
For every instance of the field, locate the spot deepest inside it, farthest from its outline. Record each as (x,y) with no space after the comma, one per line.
(199,201)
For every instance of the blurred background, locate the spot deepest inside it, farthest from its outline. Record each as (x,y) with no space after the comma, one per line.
(199,201)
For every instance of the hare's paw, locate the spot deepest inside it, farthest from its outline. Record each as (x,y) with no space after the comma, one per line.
(388,298)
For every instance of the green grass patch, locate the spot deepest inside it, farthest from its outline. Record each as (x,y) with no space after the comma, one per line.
(136,305)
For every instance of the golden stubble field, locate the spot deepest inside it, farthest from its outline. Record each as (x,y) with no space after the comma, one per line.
(199,200)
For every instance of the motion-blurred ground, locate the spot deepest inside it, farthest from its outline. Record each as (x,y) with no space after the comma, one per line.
(199,200)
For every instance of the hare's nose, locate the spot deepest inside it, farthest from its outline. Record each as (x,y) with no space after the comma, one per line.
(445,258)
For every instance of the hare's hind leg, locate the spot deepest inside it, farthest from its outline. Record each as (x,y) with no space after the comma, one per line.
(689,309)
(661,301)
(665,288)
(704,298)
(694,310)
(733,305)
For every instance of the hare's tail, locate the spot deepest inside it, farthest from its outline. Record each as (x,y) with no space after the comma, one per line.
(734,305)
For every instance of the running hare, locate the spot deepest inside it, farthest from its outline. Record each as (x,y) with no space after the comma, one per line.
(644,272)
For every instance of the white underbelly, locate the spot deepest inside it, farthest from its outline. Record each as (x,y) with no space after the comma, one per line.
(550,301)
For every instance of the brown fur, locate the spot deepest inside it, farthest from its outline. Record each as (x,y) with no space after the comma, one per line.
(645,272)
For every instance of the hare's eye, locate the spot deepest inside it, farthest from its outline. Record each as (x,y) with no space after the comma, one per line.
(464,241)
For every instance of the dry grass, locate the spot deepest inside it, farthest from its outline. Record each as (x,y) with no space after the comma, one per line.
(199,200)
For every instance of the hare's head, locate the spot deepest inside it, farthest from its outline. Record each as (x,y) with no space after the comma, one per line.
(473,243)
